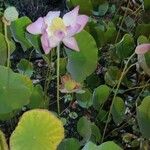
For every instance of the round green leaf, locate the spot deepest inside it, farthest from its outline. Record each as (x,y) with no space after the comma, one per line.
(143,117)
(84,128)
(100,95)
(125,47)
(84,99)
(118,110)
(69,144)
(95,135)
(15,90)
(37,99)
(110,145)
(18,29)
(37,130)
(25,67)
(104,146)
(82,64)
(91,146)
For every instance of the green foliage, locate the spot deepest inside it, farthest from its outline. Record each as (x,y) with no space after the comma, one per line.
(104,146)
(118,110)
(95,134)
(147,4)
(85,99)
(84,128)
(91,146)
(142,29)
(38,99)
(35,41)
(110,145)
(125,47)
(15,90)
(18,29)
(85,9)
(25,67)
(82,64)
(102,33)
(143,117)
(103,8)
(112,75)
(3,49)
(100,96)
(69,144)
(37,130)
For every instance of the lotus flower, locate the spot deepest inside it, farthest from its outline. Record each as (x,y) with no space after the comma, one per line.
(55,30)
(142,49)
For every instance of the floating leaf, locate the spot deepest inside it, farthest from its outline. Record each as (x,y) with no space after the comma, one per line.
(91,146)
(125,47)
(35,41)
(84,128)
(15,90)
(25,67)
(118,110)
(18,29)
(37,99)
(37,130)
(82,64)
(95,135)
(111,33)
(3,49)
(3,143)
(100,95)
(69,144)
(104,146)
(112,75)
(85,99)
(143,117)
(109,145)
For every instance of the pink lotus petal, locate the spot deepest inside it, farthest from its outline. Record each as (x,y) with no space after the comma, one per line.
(50,16)
(45,43)
(59,34)
(36,27)
(142,49)
(82,21)
(70,18)
(71,43)
(72,30)
(54,41)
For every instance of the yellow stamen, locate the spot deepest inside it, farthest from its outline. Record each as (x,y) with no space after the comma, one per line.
(57,24)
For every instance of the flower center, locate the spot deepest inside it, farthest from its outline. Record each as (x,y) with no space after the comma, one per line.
(57,25)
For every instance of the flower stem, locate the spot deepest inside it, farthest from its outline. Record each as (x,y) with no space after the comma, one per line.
(7,43)
(58,60)
(115,94)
